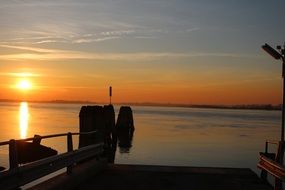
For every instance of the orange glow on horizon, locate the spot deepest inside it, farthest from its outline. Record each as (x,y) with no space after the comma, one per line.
(47,85)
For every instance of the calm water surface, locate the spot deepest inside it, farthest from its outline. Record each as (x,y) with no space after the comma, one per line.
(163,135)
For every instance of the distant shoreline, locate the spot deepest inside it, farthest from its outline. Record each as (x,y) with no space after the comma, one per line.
(240,106)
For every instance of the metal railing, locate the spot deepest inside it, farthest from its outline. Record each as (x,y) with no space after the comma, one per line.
(19,175)
(272,163)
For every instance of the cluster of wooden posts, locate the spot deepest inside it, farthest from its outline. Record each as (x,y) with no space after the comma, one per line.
(98,137)
(102,120)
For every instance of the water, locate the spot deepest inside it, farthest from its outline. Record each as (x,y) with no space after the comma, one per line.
(163,135)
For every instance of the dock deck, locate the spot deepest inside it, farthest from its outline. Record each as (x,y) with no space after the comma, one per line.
(138,177)
(141,177)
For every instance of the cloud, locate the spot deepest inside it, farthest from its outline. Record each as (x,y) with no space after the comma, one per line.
(21,74)
(66,37)
(34,49)
(117,33)
(47,41)
(65,87)
(89,40)
(102,36)
(145,37)
(69,55)
(57,54)
(192,29)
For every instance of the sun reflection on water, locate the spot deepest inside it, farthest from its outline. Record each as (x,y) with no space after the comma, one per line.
(24,119)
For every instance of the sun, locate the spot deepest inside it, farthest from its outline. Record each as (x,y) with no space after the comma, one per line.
(24,84)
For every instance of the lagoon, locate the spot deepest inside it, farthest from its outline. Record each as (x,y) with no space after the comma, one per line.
(163,135)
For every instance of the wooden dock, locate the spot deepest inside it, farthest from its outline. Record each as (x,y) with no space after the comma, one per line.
(94,175)
(138,177)
(89,168)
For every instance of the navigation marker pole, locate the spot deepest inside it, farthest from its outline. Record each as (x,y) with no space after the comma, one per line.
(110,94)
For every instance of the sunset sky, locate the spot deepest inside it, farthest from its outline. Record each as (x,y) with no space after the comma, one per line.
(166,51)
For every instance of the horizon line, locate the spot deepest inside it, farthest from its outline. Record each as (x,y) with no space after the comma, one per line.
(232,106)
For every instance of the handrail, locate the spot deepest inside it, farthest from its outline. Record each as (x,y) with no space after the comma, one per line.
(48,136)
(13,158)
(271,163)
(18,175)
(22,175)
(273,167)
(272,142)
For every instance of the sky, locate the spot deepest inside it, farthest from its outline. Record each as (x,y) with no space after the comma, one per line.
(163,51)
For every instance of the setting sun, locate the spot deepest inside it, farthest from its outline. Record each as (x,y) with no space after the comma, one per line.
(24,85)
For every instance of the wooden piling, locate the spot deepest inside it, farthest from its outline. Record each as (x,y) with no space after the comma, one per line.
(91,119)
(125,118)
(125,127)
(110,138)
(110,131)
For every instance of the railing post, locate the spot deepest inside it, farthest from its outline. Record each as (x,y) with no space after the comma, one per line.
(13,154)
(69,149)
(279,159)
(278,184)
(264,173)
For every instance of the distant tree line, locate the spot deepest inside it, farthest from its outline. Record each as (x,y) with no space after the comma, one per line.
(246,106)
(243,106)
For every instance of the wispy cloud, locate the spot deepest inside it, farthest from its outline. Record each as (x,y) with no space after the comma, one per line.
(48,41)
(192,29)
(69,35)
(117,33)
(145,37)
(102,36)
(64,87)
(20,74)
(33,49)
(57,54)
(89,40)
(50,37)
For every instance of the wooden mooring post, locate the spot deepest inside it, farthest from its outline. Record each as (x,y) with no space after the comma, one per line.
(91,118)
(101,119)
(125,128)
